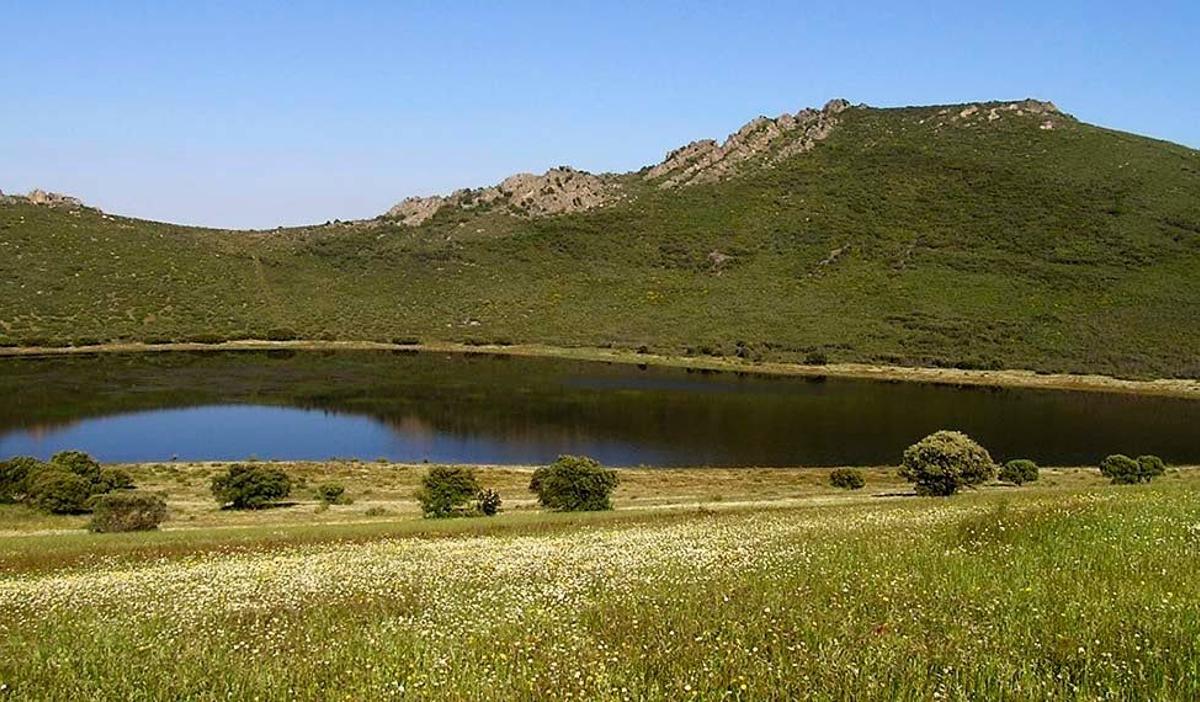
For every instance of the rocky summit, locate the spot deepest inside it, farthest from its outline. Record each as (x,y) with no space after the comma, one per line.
(763,142)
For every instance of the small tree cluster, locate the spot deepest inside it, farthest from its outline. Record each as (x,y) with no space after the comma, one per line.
(1019,471)
(250,487)
(67,484)
(1123,470)
(574,484)
(847,478)
(945,461)
(128,511)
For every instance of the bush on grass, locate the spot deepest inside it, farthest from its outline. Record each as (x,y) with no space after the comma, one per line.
(250,487)
(847,478)
(487,502)
(446,490)
(127,511)
(1123,470)
(58,491)
(945,461)
(574,484)
(80,464)
(1019,471)
(333,494)
(112,479)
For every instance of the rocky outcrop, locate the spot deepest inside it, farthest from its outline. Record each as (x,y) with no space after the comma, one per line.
(41,197)
(416,210)
(1047,113)
(762,140)
(563,190)
(557,191)
(761,143)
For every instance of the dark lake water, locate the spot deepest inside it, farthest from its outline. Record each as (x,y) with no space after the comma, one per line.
(494,409)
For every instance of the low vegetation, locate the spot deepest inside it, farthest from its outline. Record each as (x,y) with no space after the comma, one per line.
(847,478)
(1019,471)
(251,487)
(574,484)
(333,494)
(488,502)
(127,511)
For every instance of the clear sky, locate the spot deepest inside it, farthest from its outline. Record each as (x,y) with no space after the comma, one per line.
(256,114)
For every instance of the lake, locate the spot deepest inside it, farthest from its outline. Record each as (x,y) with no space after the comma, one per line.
(467,408)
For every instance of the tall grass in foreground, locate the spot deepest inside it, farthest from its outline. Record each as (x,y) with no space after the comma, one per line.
(1082,596)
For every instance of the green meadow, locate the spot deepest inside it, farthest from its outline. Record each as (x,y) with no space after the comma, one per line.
(1066,589)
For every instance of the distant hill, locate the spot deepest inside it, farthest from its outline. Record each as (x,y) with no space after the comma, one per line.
(1001,234)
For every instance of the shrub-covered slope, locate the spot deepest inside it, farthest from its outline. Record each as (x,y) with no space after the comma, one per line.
(909,236)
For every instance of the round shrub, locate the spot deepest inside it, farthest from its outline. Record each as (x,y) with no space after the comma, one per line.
(58,491)
(14,475)
(79,463)
(847,478)
(127,511)
(1120,469)
(487,502)
(574,484)
(1019,471)
(446,490)
(250,487)
(945,461)
(333,494)
(113,479)
(1123,470)
(1151,466)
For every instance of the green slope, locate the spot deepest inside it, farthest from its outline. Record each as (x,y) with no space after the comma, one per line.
(899,239)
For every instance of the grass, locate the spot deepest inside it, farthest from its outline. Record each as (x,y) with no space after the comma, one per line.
(1070,590)
(998,245)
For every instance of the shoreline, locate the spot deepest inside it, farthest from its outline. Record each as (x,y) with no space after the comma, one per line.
(1013,378)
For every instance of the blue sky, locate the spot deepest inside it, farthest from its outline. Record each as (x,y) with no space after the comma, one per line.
(254,114)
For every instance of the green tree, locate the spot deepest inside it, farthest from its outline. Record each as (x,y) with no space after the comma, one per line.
(574,484)
(945,461)
(446,490)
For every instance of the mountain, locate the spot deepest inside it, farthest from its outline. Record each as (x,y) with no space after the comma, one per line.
(998,234)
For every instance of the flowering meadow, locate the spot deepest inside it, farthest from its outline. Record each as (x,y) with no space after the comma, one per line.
(1089,594)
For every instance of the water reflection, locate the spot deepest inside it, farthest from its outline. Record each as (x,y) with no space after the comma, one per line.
(315,405)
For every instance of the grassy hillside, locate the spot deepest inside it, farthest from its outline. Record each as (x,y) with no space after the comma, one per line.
(902,238)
